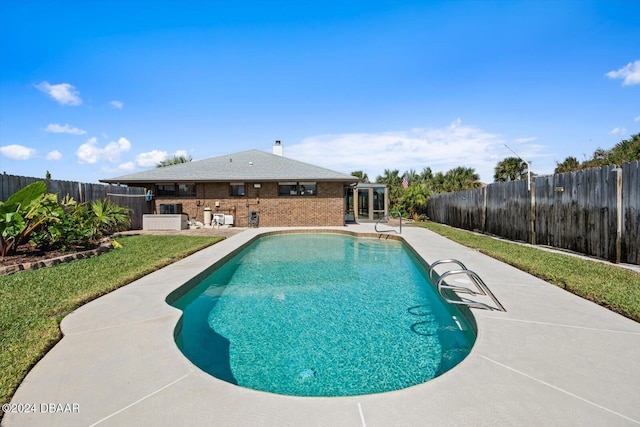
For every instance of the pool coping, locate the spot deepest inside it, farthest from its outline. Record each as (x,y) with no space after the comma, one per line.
(552,358)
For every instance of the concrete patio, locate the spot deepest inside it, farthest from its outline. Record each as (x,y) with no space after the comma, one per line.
(552,359)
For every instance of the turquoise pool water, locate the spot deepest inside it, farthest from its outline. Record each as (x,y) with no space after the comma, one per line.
(322,315)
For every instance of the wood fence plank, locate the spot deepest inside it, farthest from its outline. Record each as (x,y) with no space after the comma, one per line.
(574,210)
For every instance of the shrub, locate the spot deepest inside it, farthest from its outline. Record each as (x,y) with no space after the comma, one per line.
(23,213)
(81,225)
(31,214)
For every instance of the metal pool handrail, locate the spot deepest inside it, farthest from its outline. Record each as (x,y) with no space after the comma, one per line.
(482,288)
(387,216)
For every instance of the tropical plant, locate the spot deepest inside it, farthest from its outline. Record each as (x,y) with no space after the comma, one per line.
(426,176)
(68,231)
(437,183)
(627,150)
(107,217)
(412,176)
(390,177)
(80,225)
(461,178)
(568,165)
(414,199)
(22,213)
(600,157)
(175,160)
(362,177)
(510,169)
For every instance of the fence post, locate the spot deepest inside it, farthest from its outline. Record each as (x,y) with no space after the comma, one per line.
(484,209)
(532,221)
(619,214)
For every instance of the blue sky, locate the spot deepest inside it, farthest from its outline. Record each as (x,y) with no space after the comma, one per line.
(98,89)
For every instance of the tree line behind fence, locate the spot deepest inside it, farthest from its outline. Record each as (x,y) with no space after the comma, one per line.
(129,197)
(593,211)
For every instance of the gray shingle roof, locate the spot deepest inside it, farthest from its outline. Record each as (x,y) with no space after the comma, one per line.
(252,165)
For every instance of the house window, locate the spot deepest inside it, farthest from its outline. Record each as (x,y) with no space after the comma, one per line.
(166,190)
(186,190)
(287,188)
(176,190)
(236,189)
(297,188)
(308,188)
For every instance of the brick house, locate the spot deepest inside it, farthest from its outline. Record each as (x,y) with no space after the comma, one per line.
(283,192)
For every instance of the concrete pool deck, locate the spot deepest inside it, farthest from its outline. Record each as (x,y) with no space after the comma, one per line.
(551,359)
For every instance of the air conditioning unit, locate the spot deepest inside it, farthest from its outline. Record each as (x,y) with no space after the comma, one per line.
(170,208)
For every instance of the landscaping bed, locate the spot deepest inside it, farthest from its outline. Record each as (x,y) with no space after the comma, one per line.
(28,257)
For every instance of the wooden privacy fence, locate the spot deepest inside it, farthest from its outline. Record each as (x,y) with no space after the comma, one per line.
(129,197)
(594,211)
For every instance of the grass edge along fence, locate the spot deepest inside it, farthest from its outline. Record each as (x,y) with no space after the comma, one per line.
(594,211)
(129,197)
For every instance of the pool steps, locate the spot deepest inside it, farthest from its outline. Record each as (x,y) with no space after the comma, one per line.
(386,217)
(481,287)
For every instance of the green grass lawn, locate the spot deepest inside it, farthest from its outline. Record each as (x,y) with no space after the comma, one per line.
(615,288)
(33,303)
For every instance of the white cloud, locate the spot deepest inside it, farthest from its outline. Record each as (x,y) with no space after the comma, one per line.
(118,105)
(17,152)
(56,128)
(180,153)
(90,153)
(151,158)
(54,155)
(637,119)
(440,149)
(618,131)
(113,149)
(127,167)
(630,74)
(64,93)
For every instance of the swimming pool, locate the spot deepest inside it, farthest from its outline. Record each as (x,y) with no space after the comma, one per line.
(322,315)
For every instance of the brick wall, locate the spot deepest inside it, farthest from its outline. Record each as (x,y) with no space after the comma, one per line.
(327,208)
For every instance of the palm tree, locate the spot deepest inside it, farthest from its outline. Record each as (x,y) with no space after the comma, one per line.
(426,175)
(175,160)
(412,176)
(437,183)
(391,178)
(362,177)
(568,165)
(461,178)
(510,169)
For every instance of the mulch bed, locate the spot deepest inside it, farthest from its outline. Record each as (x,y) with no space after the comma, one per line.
(28,257)
(28,253)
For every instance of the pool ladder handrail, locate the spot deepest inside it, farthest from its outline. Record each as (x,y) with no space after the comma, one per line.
(482,288)
(386,217)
